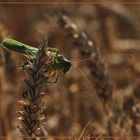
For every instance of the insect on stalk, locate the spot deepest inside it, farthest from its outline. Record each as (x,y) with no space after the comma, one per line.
(45,66)
(58,64)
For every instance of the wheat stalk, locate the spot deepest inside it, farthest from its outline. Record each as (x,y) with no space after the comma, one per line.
(31,111)
(88,50)
(100,78)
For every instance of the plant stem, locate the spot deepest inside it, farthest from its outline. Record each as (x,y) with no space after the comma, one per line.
(31,113)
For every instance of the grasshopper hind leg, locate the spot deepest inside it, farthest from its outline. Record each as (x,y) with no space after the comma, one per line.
(54,76)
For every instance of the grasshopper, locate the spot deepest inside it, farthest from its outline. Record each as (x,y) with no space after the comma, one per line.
(59,65)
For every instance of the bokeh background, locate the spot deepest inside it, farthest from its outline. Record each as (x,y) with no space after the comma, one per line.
(84,102)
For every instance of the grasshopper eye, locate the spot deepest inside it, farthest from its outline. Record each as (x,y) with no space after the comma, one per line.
(61,57)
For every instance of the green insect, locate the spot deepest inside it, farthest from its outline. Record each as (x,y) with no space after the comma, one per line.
(59,65)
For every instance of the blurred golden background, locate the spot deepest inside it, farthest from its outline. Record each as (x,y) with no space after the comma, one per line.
(99,96)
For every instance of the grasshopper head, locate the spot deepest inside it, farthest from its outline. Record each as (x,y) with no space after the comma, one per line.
(65,64)
(58,61)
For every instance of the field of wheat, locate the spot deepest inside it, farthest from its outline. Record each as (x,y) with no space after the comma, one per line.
(97,98)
